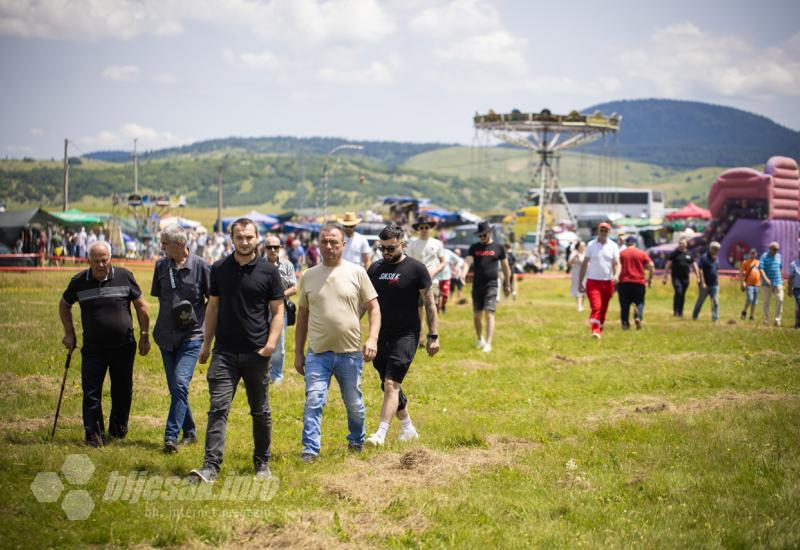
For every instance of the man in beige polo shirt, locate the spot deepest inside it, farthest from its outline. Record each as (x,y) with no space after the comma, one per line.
(331,297)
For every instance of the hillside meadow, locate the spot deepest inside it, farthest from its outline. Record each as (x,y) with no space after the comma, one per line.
(681,434)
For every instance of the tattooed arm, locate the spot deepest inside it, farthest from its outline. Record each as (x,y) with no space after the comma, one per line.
(431,318)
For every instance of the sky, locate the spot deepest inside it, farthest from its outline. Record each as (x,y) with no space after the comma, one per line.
(102,73)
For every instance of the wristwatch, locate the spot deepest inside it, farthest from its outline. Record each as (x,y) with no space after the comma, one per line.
(433,337)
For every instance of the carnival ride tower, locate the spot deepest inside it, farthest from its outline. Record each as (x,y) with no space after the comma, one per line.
(546,134)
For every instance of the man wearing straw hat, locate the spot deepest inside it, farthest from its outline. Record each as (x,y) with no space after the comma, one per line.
(356,248)
(430,252)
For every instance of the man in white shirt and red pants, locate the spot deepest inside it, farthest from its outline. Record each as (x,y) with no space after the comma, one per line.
(601,268)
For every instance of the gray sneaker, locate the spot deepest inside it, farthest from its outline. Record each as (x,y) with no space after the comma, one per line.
(170,447)
(189,439)
(308,458)
(262,472)
(206,474)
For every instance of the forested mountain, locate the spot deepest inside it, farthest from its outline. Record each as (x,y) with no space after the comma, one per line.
(689,134)
(390,153)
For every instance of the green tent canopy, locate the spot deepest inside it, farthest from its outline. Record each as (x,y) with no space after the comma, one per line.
(73,215)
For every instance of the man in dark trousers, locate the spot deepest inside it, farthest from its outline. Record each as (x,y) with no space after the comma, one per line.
(487,256)
(631,288)
(245,293)
(105,294)
(180,282)
(708,281)
(401,282)
(679,265)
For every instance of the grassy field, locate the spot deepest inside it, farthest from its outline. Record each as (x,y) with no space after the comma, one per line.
(682,434)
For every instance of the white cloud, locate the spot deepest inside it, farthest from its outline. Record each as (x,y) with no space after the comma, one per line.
(298,21)
(684,61)
(376,74)
(122,138)
(257,61)
(122,73)
(456,19)
(165,78)
(499,52)
(38,132)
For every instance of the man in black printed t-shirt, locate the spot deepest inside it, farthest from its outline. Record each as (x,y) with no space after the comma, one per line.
(680,264)
(105,294)
(486,256)
(400,281)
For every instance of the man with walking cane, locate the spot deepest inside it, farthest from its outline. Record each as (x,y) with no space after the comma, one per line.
(105,294)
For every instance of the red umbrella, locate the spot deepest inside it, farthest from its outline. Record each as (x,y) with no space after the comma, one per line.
(690,211)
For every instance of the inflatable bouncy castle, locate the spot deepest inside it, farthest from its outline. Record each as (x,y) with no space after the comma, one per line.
(751,209)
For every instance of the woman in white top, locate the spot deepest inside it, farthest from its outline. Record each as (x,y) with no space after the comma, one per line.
(575,261)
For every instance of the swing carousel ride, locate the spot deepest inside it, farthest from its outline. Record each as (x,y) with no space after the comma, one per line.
(546,134)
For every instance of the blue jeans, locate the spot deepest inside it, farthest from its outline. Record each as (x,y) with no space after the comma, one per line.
(179,367)
(276,362)
(704,292)
(346,367)
(797,308)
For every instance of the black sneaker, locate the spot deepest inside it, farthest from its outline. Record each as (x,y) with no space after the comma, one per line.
(744,314)
(353,448)
(206,474)
(170,447)
(96,440)
(189,439)
(262,472)
(308,458)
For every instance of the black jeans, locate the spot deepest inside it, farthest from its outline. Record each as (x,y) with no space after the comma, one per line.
(630,293)
(119,364)
(223,376)
(681,285)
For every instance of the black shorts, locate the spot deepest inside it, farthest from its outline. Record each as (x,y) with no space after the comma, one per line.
(484,298)
(395,356)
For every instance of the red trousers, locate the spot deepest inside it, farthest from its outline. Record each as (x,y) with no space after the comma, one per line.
(599,294)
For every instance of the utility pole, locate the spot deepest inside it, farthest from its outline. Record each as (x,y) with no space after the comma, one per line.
(219,198)
(135,168)
(66,176)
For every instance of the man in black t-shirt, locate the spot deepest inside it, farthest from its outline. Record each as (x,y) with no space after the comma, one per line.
(105,294)
(680,264)
(401,282)
(244,294)
(487,256)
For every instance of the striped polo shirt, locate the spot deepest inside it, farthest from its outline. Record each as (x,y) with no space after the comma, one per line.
(105,307)
(771,265)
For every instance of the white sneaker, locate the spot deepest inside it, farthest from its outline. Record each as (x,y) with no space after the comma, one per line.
(480,344)
(375,440)
(408,434)
(487,348)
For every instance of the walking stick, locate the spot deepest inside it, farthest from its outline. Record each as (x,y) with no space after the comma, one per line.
(61,394)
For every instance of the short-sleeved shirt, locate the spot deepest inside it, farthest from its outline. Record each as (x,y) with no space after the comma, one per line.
(486,263)
(333,297)
(354,247)
(455,263)
(170,286)
(601,257)
(633,262)
(428,251)
(287,273)
(751,272)
(245,292)
(771,265)
(398,287)
(105,307)
(794,274)
(710,268)
(681,263)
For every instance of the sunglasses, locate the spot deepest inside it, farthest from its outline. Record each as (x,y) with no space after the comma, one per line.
(423,227)
(603,230)
(391,248)
(273,247)
(483,235)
